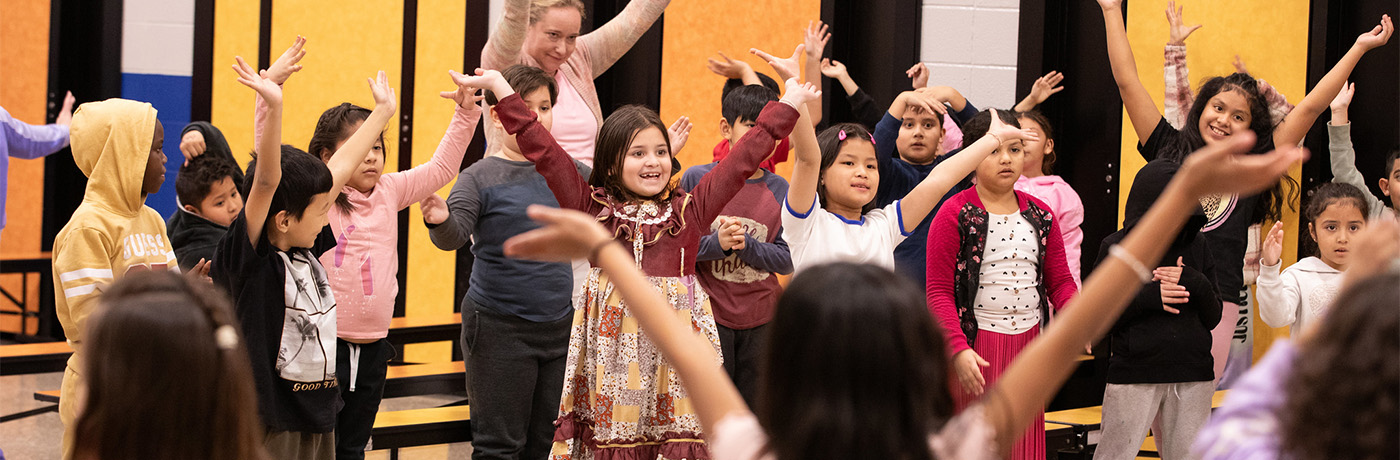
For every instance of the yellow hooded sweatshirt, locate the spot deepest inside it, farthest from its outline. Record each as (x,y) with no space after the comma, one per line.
(111,233)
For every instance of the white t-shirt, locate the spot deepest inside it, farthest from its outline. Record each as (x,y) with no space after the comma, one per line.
(1008,298)
(820,236)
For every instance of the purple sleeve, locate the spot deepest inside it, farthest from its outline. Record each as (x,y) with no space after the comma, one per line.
(1246,426)
(26,141)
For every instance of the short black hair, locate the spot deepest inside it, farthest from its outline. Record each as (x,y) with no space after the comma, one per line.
(746,102)
(195,179)
(730,84)
(524,79)
(977,126)
(1390,161)
(303,177)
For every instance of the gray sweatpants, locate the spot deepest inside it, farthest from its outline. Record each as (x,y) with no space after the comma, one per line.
(1128,411)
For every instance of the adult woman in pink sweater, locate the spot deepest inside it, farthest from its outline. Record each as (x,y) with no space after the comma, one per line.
(545,34)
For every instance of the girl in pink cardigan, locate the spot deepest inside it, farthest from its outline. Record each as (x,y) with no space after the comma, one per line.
(996,264)
(545,34)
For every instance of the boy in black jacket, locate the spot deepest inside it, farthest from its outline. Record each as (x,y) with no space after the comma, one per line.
(1160,363)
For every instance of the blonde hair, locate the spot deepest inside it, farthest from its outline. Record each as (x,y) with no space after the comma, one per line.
(538,7)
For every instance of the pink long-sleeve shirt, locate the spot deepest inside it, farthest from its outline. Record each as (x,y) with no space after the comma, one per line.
(1068,210)
(363,268)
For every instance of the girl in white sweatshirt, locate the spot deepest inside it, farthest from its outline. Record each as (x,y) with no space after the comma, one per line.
(1301,295)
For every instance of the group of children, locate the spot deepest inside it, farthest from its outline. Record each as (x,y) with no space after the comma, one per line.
(620,357)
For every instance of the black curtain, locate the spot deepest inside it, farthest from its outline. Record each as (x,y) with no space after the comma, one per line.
(877,40)
(636,78)
(85,44)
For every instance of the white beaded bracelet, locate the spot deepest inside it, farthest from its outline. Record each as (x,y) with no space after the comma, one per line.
(1126,257)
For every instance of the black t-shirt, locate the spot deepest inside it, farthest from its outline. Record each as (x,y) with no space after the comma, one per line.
(294,374)
(1228,218)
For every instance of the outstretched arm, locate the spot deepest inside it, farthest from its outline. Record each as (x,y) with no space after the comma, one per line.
(1296,124)
(1176,76)
(607,44)
(503,48)
(269,148)
(1043,88)
(1036,374)
(425,179)
(806,167)
(814,39)
(1141,110)
(350,154)
(1343,155)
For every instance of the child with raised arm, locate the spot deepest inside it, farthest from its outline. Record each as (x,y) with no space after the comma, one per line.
(908,146)
(117,144)
(1177,103)
(1225,107)
(740,262)
(516,314)
(996,267)
(873,380)
(25,141)
(207,190)
(1343,156)
(1301,295)
(739,75)
(268,262)
(363,268)
(1038,170)
(616,388)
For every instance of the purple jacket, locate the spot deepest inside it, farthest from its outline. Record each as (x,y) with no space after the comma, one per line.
(23,140)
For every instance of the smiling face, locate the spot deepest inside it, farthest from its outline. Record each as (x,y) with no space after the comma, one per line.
(1225,114)
(1035,150)
(551,39)
(999,171)
(1333,230)
(155,163)
(920,136)
(852,178)
(646,165)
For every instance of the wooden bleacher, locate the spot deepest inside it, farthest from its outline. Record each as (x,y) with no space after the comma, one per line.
(1073,431)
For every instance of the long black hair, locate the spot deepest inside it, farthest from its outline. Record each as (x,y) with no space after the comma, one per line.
(854,368)
(1270,204)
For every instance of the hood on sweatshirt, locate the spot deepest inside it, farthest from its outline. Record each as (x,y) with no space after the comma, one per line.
(111,142)
(1149,183)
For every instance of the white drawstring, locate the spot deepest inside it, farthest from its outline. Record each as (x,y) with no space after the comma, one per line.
(354,364)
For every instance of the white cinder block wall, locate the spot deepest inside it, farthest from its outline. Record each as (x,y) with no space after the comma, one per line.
(971,45)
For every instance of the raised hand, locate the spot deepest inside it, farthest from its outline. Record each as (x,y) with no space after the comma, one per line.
(1378,36)
(968,366)
(434,209)
(1272,249)
(918,75)
(286,64)
(200,271)
(65,115)
(728,68)
(1003,132)
(384,97)
(1228,168)
(1177,29)
(258,81)
(798,94)
(1240,67)
(1046,86)
(815,38)
(564,235)
(921,99)
(679,133)
(1343,99)
(832,68)
(485,79)
(464,95)
(192,145)
(786,68)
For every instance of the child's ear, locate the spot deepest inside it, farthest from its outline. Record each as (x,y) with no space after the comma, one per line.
(724,129)
(496,119)
(282,221)
(1385,186)
(1312,231)
(1049,146)
(192,210)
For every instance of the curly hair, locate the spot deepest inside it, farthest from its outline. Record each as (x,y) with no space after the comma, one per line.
(1342,400)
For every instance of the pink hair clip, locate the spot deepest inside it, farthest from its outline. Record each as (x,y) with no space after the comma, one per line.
(872,139)
(841,136)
